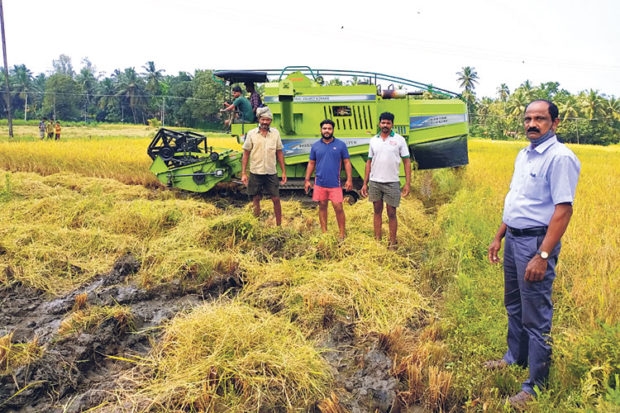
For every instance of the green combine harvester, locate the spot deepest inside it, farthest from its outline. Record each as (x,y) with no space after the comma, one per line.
(300,98)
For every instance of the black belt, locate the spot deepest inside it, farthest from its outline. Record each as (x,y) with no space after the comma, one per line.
(527,232)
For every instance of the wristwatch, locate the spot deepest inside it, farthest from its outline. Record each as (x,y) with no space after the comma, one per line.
(543,254)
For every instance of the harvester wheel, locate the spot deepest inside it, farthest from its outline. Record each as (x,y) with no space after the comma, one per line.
(199,179)
(351,197)
(214,156)
(166,153)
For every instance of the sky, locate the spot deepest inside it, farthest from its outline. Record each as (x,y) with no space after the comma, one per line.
(573,42)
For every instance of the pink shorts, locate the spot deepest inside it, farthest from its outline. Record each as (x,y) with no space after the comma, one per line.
(320,193)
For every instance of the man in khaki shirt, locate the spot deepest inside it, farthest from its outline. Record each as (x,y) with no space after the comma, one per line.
(262,147)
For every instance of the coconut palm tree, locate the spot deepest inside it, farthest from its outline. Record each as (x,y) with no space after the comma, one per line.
(153,77)
(569,108)
(468,78)
(503,92)
(87,79)
(549,89)
(131,88)
(21,77)
(483,110)
(515,108)
(529,92)
(611,108)
(107,101)
(592,104)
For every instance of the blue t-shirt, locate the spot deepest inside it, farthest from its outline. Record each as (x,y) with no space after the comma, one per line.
(328,158)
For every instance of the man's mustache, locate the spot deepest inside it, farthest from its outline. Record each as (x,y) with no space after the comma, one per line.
(533,129)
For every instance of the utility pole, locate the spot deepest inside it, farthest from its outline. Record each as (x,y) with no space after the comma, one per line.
(6,73)
(163,111)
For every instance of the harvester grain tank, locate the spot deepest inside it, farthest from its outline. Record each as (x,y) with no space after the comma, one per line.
(300,98)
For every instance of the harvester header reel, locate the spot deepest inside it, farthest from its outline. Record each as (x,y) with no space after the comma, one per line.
(180,148)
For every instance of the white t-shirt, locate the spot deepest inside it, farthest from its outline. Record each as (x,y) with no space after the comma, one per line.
(386,155)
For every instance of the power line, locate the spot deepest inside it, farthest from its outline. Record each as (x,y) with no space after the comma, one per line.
(97,95)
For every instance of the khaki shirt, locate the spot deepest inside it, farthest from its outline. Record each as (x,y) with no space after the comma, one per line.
(263,150)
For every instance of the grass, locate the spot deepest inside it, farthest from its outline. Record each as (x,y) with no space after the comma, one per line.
(89,318)
(71,208)
(229,356)
(585,291)
(15,355)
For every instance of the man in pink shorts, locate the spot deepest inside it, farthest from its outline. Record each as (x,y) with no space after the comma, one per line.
(327,155)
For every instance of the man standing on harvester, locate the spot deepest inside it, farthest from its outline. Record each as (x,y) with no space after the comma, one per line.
(328,154)
(262,147)
(386,150)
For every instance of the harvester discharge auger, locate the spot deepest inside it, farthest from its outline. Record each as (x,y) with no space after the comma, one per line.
(435,126)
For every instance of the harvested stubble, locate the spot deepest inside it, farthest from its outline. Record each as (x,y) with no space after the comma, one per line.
(15,355)
(228,356)
(361,293)
(62,230)
(89,318)
(357,281)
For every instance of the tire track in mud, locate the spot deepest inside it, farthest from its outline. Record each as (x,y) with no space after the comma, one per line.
(75,372)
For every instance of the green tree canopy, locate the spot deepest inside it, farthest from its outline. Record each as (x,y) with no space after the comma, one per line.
(62,97)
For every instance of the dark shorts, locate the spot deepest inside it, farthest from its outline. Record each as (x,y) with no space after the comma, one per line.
(389,192)
(264,185)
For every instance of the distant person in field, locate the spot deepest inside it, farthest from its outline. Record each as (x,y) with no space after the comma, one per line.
(42,128)
(255,100)
(327,156)
(241,107)
(57,130)
(262,147)
(382,181)
(49,129)
(537,210)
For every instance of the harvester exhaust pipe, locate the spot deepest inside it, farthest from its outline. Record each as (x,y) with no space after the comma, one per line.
(285,96)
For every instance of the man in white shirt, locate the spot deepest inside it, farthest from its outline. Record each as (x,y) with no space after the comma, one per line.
(386,150)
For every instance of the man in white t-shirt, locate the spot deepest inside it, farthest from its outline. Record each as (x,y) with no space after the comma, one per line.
(386,150)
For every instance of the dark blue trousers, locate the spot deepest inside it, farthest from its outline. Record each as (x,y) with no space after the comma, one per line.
(529,309)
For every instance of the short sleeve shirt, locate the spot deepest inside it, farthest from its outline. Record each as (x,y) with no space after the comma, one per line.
(243,105)
(328,158)
(263,150)
(385,157)
(543,177)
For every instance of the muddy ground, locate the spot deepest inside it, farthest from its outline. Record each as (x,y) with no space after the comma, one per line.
(76,372)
